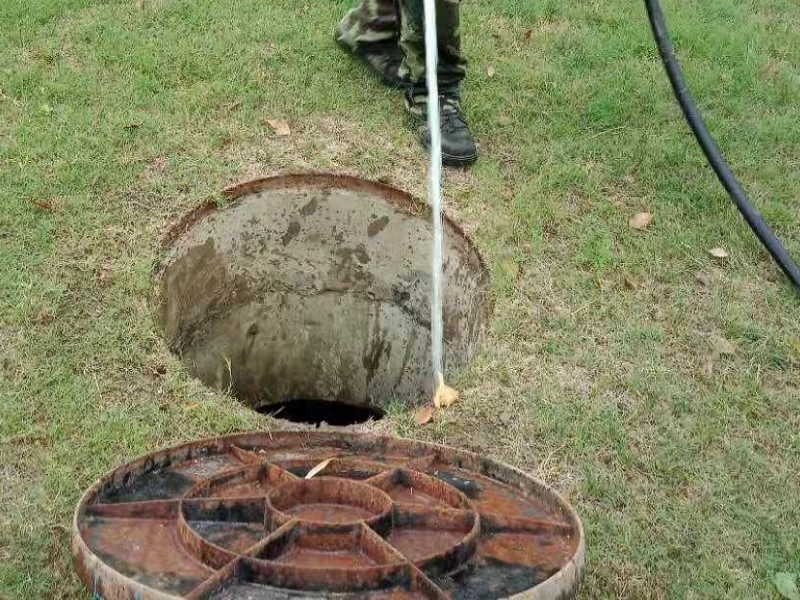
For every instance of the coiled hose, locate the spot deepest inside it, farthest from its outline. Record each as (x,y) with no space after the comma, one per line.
(710,148)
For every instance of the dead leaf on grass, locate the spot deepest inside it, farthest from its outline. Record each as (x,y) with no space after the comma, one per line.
(641,221)
(43,205)
(528,35)
(630,282)
(281,128)
(718,253)
(319,467)
(425,414)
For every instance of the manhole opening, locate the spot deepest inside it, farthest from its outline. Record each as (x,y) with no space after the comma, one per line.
(317,287)
(317,412)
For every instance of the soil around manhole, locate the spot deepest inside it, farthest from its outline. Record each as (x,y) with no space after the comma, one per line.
(317,287)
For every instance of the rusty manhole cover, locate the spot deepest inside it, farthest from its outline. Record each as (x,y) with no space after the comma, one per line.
(235,518)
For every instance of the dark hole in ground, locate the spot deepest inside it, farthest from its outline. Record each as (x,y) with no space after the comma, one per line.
(316,412)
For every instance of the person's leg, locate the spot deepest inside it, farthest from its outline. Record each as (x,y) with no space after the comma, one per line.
(371,31)
(452,64)
(458,147)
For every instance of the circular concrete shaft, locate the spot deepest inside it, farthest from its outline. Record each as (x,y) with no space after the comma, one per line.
(235,518)
(317,287)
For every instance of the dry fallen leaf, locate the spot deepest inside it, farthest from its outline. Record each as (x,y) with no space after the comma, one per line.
(444,396)
(641,221)
(490,71)
(528,35)
(425,414)
(281,128)
(319,467)
(630,282)
(43,205)
(718,253)
(722,346)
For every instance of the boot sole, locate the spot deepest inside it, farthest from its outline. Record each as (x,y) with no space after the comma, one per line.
(450,160)
(459,161)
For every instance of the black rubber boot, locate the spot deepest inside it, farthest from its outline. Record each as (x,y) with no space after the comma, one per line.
(383,58)
(458,145)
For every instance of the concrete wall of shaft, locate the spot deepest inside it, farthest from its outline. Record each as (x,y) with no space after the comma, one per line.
(317,287)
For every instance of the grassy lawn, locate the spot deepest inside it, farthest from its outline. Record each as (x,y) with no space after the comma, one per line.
(603,373)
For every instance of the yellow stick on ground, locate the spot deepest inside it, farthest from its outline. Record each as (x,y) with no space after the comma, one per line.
(444,395)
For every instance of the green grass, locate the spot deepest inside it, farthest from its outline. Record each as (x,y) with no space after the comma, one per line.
(120,116)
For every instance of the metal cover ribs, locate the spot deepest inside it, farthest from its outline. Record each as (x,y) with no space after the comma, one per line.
(234,518)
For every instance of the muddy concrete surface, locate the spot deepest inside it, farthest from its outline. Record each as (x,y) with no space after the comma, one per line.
(317,287)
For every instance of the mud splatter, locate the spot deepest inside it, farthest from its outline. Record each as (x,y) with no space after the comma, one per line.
(310,208)
(377,226)
(291,233)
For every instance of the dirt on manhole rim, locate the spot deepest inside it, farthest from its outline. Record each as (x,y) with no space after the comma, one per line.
(273,515)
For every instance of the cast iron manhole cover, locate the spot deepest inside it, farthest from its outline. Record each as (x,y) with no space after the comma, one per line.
(235,518)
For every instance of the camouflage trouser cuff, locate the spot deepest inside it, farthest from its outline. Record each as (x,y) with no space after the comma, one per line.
(416,98)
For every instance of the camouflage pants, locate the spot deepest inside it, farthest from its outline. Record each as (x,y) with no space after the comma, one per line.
(375,24)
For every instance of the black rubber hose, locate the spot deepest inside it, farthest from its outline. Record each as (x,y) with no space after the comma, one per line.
(710,148)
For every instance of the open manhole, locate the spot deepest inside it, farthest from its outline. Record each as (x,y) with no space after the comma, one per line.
(317,288)
(235,518)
